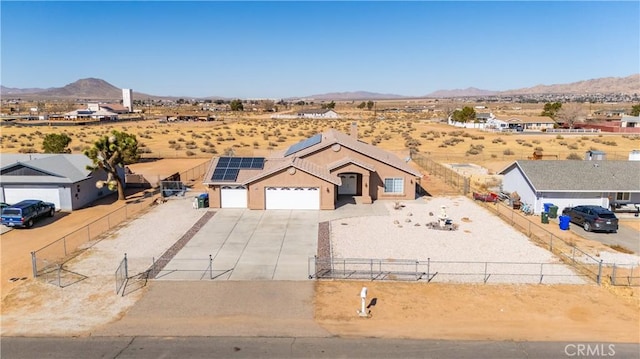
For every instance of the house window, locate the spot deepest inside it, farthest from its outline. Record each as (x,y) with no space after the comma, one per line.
(394,185)
(623,196)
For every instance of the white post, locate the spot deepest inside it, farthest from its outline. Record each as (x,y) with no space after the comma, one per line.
(363,298)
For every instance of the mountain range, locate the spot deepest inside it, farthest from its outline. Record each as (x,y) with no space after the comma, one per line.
(98,89)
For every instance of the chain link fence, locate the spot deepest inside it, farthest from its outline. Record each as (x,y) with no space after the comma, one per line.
(569,252)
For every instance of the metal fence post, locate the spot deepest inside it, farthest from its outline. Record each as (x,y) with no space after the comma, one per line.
(59,270)
(34,266)
(630,278)
(613,275)
(599,271)
(371,267)
(541,264)
(126,268)
(416,270)
(485,273)
(210,267)
(428,268)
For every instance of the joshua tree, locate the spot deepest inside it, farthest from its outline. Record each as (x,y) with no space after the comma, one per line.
(110,152)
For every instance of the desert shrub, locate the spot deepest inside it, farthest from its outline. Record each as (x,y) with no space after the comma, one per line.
(27,150)
(219,139)
(172,142)
(610,143)
(493,155)
(574,156)
(190,153)
(537,142)
(497,140)
(508,152)
(559,137)
(281,139)
(572,146)
(562,143)
(180,139)
(144,150)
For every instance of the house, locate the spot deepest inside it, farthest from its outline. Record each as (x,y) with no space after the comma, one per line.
(480,122)
(311,174)
(630,121)
(317,113)
(93,111)
(530,123)
(572,183)
(62,179)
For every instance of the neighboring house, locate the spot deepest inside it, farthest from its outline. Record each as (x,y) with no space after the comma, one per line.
(534,123)
(317,113)
(62,179)
(311,174)
(481,121)
(89,114)
(609,114)
(570,183)
(113,107)
(630,121)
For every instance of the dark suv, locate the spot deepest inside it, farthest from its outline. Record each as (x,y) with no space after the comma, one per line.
(24,213)
(592,218)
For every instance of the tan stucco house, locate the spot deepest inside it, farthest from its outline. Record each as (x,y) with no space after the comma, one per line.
(311,174)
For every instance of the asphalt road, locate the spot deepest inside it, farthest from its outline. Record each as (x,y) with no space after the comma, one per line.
(625,237)
(287,347)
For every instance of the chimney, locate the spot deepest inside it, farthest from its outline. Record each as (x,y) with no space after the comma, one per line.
(354,130)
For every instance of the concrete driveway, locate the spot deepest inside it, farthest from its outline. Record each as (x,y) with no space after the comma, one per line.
(625,237)
(249,245)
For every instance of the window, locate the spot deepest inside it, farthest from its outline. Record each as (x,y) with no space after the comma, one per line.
(623,196)
(393,185)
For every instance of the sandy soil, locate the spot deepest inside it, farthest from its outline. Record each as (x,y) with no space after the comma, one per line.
(477,312)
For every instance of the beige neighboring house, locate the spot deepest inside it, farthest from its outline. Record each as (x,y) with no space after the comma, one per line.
(511,123)
(311,174)
(94,111)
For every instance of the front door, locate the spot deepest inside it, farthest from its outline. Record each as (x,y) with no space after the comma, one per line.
(349,184)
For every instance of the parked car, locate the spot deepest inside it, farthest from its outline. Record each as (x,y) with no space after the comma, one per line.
(25,213)
(2,205)
(592,218)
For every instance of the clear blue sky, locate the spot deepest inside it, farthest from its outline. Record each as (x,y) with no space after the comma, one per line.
(289,49)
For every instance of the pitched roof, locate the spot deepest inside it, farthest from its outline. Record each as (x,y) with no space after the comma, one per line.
(580,176)
(626,118)
(276,165)
(347,160)
(55,168)
(332,137)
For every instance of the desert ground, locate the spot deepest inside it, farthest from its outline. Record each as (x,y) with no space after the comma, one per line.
(507,312)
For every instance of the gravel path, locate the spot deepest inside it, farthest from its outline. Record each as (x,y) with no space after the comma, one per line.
(481,237)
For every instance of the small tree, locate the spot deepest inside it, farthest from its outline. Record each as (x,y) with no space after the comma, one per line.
(551,109)
(370,105)
(56,143)
(572,113)
(111,152)
(236,105)
(331,105)
(362,105)
(467,114)
(635,110)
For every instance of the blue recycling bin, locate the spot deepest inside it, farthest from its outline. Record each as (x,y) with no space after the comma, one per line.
(547,206)
(564,222)
(203,200)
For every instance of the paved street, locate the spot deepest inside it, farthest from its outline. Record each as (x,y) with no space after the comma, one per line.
(286,347)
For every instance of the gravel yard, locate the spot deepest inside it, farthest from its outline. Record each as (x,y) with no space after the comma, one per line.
(480,238)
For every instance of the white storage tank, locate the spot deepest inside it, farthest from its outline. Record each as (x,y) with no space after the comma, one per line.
(594,155)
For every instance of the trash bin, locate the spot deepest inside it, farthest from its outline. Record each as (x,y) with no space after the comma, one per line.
(547,206)
(553,211)
(203,200)
(564,222)
(544,217)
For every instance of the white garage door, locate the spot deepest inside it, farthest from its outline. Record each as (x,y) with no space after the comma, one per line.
(292,198)
(233,197)
(15,195)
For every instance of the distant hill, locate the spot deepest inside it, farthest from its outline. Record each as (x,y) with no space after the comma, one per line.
(89,88)
(629,85)
(97,89)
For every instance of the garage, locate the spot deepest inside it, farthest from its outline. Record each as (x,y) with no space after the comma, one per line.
(233,197)
(47,194)
(292,198)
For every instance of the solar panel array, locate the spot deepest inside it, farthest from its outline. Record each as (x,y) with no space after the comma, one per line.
(228,168)
(314,140)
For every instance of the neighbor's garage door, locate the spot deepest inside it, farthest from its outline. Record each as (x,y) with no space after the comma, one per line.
(15,195)
(292,198)
(233,197)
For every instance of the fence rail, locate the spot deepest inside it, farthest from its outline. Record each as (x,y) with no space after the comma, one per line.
(568,252)
(442,271)
(62,249)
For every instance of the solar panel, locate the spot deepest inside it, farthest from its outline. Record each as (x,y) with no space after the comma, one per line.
(314,140)
(227,168)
